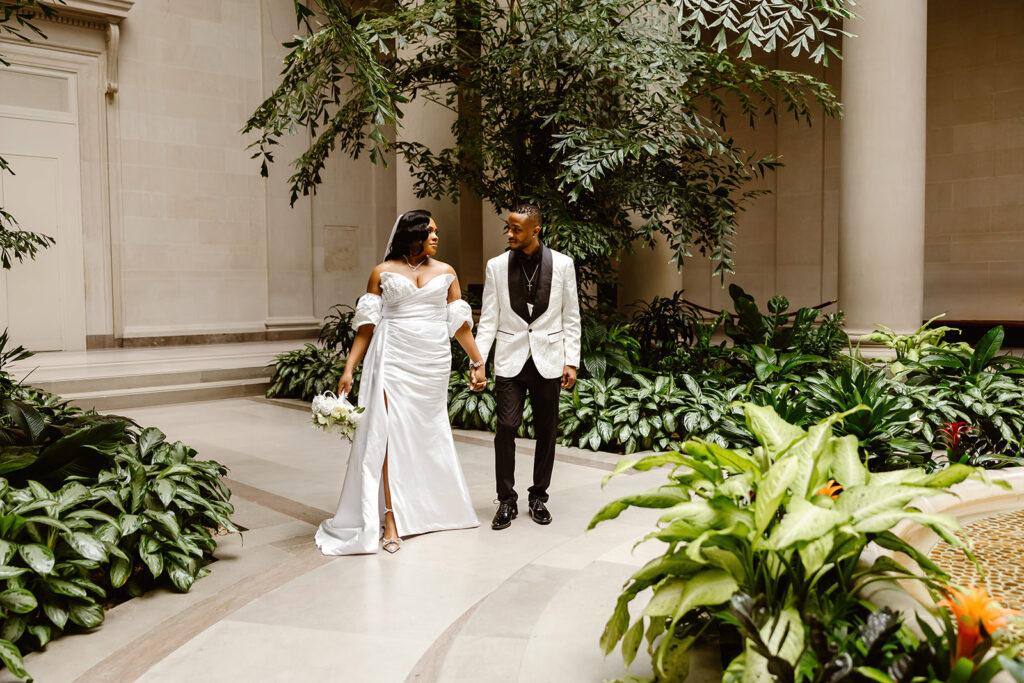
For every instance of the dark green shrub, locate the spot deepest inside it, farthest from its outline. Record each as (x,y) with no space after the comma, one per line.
(337,333)
(305,372)
(92,511)
(607,345)
(663,326)
(783,330)
(889,430)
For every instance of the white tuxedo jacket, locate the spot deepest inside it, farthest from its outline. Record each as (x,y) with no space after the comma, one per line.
(551,335)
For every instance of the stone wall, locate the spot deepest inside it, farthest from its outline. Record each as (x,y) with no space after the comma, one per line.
(193,242)
(974,259)
(208,247)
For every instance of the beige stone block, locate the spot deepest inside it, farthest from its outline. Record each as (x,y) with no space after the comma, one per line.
(940,140)
(1005,289)
(974,137)
(957,221)
(1008,190)
(227,232)
(290,293)
(958,112)
(1010,50)
(241,13)
(211,183)
(938,195)
(1004,18)
(954,288)
(947,26)
(1009,104)
(975,192)
(976,82)
(1008,75)
(948,58)
(1009,132)
(937,250)
(143,204)
(989,248)
(1008,161)
(968,165)
(143,153)
(204,10)
(341,246)
(801,284)
(1008,218)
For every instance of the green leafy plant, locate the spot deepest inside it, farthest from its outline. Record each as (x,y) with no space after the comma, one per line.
(623,135)
(337,333)
(764,522)
(607,344)
(316,368)
(977,386)
(146,517)
(783,330)
(912,346)
(470,409)
(770,365)
(888,429)
(305,372)
(654,414)
(959,362)
(663,325)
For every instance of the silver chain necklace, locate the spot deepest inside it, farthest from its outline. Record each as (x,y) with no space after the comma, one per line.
(529,278)
(414,268)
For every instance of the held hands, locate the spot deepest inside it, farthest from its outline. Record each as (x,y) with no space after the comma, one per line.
(478,378)
(568,377)
(345,383)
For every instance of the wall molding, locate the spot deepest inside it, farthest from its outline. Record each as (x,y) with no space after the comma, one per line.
(292,322)
(102,12)
(131,331)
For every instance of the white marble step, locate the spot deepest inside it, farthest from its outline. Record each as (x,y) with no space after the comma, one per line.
(139,397)
(111,379)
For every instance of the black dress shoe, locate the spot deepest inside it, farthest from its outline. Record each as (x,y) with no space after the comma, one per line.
(504,516)
(539,513)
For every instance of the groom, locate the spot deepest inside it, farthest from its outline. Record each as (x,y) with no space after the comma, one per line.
(531,310)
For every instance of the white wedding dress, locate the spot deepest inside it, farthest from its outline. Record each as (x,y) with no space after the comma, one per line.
(407,365)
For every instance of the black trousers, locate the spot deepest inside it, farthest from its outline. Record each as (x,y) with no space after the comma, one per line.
(511,394)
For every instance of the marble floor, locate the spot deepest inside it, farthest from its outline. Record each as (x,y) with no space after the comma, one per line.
(524,604)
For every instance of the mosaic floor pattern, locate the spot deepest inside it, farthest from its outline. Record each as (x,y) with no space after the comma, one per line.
(998,543)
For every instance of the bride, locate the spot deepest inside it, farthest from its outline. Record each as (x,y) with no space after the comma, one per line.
(403,466)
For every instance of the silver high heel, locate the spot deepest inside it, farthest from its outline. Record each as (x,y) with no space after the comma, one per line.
(392,545)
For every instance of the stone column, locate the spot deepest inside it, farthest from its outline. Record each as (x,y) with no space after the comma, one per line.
(882,205)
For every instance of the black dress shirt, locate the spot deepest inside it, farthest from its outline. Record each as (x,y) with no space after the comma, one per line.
(530,266)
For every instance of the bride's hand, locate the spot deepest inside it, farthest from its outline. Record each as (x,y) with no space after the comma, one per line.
(345,384)
(478,379)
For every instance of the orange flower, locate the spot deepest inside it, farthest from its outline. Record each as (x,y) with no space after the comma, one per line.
(831,489)
(974,610)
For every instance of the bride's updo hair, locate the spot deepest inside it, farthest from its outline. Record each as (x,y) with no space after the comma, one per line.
(413,229)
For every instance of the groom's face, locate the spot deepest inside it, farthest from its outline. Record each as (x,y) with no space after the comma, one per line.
(522,231)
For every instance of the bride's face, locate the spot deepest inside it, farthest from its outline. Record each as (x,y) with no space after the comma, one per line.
(430,244)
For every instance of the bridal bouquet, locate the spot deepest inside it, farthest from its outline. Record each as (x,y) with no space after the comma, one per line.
(335,414)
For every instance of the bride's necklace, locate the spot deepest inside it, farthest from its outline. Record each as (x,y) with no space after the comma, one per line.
(416,267)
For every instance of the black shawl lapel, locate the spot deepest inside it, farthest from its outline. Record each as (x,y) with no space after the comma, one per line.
(544,285)
(516,290)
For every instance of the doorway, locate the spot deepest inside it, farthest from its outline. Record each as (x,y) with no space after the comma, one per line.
(42,302)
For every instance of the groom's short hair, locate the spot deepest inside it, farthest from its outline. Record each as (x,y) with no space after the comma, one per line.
(531,210)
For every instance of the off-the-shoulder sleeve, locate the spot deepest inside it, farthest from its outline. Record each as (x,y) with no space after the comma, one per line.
(459,312)
(368,310)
